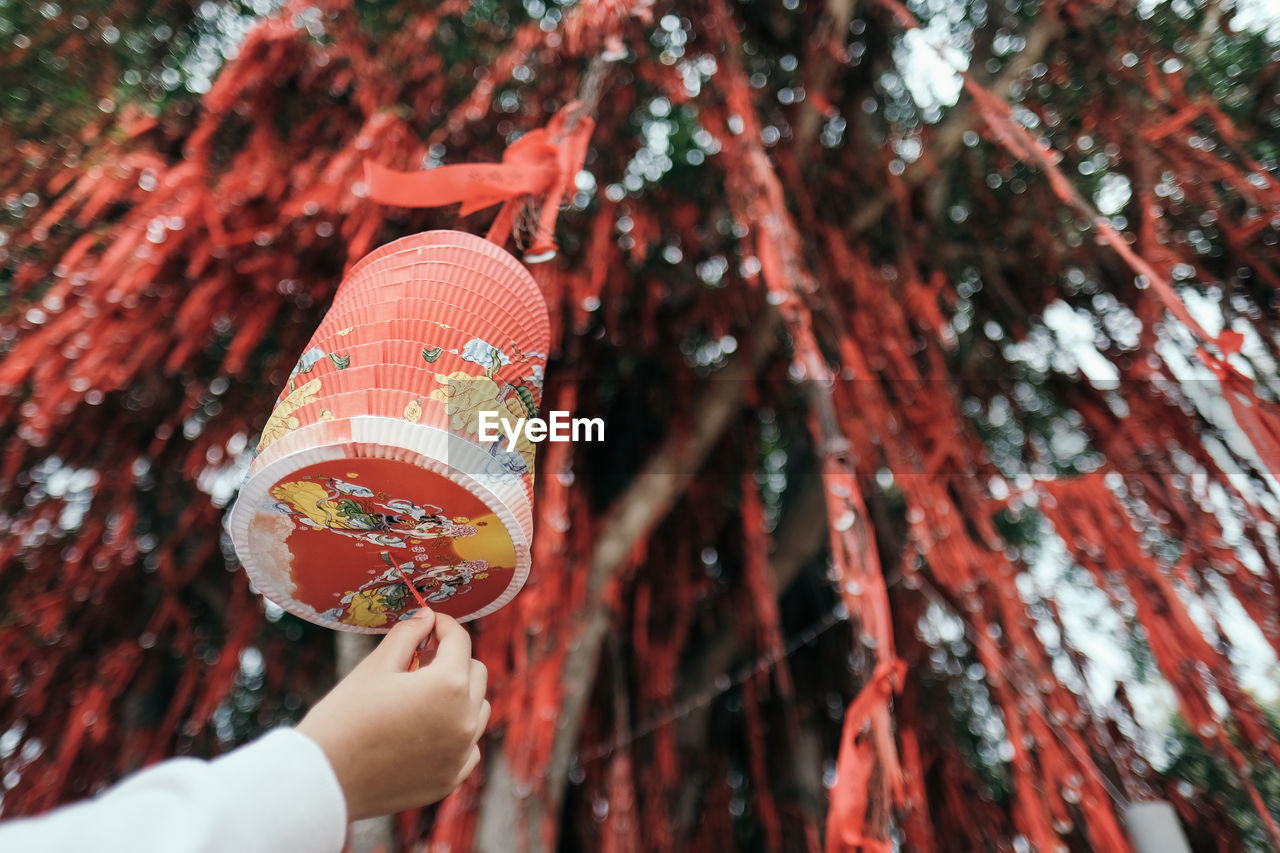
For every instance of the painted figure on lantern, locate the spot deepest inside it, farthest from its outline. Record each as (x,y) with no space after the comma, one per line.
(350,509)
(453,580)
(385,598)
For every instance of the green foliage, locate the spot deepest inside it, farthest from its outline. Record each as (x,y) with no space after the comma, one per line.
(1209,775)
(72,64)
(1234,68)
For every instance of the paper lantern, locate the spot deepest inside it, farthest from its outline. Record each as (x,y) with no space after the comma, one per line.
(372,490)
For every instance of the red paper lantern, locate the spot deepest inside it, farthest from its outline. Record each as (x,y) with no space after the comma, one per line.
(374,489)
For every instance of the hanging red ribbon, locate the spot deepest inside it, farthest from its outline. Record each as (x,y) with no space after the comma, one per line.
(1257,418)
(853,790)
(542,164)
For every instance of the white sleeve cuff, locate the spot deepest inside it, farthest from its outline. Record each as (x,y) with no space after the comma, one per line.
(280,793)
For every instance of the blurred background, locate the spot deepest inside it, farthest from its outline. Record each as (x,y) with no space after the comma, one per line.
(936,343)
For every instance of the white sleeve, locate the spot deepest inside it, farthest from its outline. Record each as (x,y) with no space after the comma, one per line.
(277,793)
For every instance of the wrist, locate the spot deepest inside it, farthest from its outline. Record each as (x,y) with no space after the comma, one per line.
(332,754)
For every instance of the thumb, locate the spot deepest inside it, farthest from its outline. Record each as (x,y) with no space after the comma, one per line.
(398,646)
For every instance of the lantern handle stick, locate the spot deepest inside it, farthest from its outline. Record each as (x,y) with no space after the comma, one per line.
(386,558)
(416,660)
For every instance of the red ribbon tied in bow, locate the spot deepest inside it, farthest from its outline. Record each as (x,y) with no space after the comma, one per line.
(542,163)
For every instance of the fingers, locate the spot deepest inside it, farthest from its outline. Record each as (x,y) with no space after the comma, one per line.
(483,722)
(398,646)
(453,648)
(473,759)
(478,682)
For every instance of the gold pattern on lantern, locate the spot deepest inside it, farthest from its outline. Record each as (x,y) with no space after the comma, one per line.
(282,420)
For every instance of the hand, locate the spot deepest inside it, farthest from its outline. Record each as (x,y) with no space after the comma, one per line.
(396,739)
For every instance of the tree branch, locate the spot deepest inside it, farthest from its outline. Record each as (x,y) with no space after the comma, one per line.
(652,493)
(946,142)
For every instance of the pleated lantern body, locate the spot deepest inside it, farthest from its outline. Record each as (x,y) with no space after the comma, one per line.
(371,473)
